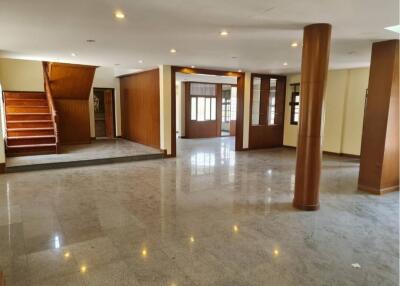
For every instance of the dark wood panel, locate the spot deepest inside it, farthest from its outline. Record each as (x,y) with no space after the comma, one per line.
(108,113)
(140,107)
(202,129)
(264,135)
(74,123)
(69,81)
(379,159)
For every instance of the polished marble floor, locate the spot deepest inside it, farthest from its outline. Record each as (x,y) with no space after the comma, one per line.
(98,149)
(209,217)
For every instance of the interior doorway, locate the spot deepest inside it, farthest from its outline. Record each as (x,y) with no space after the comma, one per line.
(103,102)
(228,110)
(197,105)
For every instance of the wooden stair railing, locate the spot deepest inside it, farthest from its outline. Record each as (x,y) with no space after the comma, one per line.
(53,111)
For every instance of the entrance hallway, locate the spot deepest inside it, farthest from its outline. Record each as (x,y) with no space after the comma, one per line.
(100,151)
(211,216)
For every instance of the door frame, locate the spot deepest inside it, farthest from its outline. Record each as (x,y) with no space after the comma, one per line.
(239,105)
(113,108)
(280,77)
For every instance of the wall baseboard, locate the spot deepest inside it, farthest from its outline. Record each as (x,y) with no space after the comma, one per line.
(330,153)
(2,168)
(377,191)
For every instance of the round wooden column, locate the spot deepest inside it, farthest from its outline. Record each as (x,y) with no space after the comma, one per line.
(314,68)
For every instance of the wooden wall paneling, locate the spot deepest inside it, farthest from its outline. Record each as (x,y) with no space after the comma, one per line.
(379,158)
(108,113)
(71,85)
(141,107)
(239,113)
(74,123)
(71,81)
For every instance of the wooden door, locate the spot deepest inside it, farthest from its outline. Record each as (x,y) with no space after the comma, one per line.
(266,126)
(108,113)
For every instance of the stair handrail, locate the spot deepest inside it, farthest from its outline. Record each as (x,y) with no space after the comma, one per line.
(53,111)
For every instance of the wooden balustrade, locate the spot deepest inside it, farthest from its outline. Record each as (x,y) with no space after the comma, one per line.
(53,111)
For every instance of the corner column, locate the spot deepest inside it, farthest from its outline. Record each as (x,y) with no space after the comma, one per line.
(314,69)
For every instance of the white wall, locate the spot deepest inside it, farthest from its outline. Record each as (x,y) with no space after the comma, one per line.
(104,78)
(344,111)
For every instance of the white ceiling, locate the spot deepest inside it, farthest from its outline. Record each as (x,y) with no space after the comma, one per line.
(260,31)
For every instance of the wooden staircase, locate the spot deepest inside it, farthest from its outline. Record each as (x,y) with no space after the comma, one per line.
(30,129)
(31,121)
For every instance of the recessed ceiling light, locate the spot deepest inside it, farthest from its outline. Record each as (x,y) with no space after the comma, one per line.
(119,15)
(73,54)
(172,51)
(223,33)
(294,45)
(193,67)
(285,63)
(140,61)
(91,41)
(395,29)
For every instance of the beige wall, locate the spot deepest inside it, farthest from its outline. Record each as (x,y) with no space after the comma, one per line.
(21,75)
(165,108)
(344,111)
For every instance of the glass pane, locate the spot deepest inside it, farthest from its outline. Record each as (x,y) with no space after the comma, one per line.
(232,106)
(203,89)
(201,108)
(213,109)
(208,109)
(271,106)
(255,116)
(193,109)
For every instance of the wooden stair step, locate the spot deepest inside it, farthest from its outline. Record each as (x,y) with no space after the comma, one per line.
(29,123)
(30,131)
(28,116)
(26,102)
(26,109)
(31,140)
(24,95)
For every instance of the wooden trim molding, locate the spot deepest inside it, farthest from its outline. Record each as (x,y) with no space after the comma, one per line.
(376,191)
(329,153)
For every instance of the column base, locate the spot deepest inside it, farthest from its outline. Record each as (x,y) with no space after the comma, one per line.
(306,207)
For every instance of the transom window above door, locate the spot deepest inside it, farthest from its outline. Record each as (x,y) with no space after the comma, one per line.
(203,102)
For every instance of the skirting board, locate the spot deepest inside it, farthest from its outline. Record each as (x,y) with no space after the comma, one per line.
(377,191)
(331,153)
(2,168)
